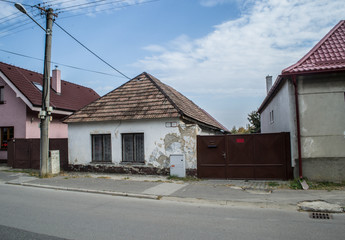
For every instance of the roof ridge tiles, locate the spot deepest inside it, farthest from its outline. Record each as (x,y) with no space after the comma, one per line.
(158,100)
(324,45)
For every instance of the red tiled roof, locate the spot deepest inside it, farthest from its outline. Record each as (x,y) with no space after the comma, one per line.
(327,55)
(72,97)
(143,97)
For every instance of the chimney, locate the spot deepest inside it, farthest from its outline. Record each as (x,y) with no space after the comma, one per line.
(268,83)
(56,80)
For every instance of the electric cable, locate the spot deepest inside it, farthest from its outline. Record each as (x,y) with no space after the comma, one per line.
(61,64)
(91,51)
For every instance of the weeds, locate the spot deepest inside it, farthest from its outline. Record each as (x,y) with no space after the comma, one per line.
(315,185)
(273,184)
(185,179)
(104,177)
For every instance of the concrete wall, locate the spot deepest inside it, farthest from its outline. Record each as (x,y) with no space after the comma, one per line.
(283,107)
(12,114)
(322,117)
(160,141)
(322,122)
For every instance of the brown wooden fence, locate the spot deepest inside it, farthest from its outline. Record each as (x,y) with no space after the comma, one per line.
(25,153)
(249,156)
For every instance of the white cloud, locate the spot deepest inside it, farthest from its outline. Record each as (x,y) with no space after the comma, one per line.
(269,36)
(233,60)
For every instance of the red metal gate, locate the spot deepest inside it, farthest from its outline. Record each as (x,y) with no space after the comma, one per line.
(250,156)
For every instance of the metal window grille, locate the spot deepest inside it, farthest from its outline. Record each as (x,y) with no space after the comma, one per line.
(133,148)
(101,148)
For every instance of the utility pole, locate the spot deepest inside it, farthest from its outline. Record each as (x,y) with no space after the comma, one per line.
(45,113)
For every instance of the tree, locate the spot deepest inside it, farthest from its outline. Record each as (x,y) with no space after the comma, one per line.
(254,121)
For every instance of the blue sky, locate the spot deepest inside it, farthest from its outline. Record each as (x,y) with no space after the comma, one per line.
(215,52)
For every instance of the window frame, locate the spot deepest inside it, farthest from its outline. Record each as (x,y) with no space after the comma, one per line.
(8,137)
(271,117)
(134,144)
(2,94)
(104,136)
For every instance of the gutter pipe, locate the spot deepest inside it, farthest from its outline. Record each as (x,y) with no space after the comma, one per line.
(298,128)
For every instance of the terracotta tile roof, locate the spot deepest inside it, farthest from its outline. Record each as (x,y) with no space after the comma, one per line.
(72,97)
(143,97)
(327,55)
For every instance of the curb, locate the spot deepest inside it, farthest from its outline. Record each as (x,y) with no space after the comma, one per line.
(121,194)
(228,203)
(231,203)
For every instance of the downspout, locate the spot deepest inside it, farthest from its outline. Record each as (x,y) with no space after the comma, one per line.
(298,128)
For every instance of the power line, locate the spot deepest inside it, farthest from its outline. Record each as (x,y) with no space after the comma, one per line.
(14,2)
(61,64)
(91,51)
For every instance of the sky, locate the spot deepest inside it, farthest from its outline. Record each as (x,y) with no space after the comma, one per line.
(215,52)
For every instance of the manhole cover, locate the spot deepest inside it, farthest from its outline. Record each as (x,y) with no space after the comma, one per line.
(319,215)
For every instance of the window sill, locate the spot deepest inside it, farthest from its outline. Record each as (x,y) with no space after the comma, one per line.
(132,163)
(108,163)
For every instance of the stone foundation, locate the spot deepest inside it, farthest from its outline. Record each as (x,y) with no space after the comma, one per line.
(141,170)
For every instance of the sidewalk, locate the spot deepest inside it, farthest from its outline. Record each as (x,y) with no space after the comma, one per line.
(220,192)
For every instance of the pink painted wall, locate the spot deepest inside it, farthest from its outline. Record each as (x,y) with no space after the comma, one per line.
(57,129)
(12,114)
(15,113)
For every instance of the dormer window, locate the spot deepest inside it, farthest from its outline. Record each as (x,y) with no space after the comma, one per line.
(2,99)
(39,86)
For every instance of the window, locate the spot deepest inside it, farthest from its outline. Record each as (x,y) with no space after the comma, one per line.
(6,133)
(271,117)
(133,148)
(2,100)
(101,148)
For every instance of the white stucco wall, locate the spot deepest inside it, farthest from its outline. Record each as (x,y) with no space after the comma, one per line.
(160,141)
(283,106)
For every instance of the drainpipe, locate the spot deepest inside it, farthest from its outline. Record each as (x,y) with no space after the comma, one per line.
(298,128)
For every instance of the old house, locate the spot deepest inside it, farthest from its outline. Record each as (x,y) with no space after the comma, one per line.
(307,100)
(20,103)
(136,128)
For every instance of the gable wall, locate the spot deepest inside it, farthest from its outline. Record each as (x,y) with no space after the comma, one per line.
(283,107)
(12,114)
(160,141)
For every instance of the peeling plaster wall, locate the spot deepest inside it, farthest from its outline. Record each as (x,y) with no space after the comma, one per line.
(160,140)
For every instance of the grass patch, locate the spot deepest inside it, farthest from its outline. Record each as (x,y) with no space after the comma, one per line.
(32,173)
(295,184)
(273,184)
(315,185)
(185,179)
(104,177)
(326,185)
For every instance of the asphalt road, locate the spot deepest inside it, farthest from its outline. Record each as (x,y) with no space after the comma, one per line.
(33,213)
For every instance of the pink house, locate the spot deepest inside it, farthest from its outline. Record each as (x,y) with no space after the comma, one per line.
(20,103)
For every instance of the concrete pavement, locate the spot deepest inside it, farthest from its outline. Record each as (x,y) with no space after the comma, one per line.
(220,192)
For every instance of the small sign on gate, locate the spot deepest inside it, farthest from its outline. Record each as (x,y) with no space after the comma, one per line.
(240,140)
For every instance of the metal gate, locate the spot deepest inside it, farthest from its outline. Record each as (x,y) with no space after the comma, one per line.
(25,153)
(250,156)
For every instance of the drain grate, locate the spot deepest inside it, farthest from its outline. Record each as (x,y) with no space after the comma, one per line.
(319,215)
